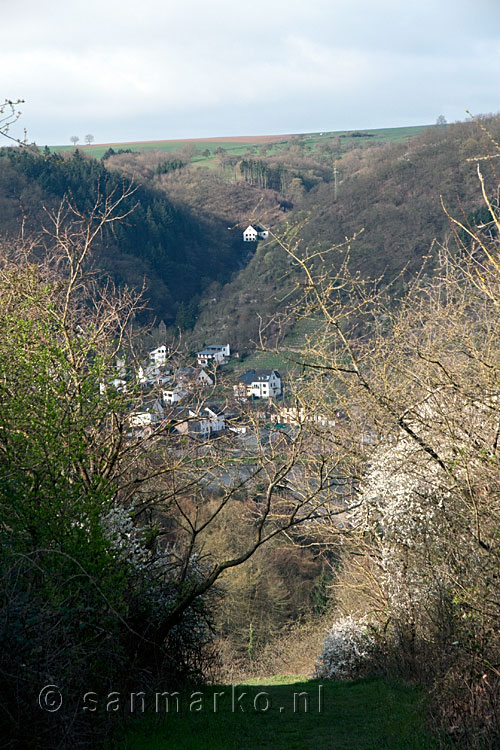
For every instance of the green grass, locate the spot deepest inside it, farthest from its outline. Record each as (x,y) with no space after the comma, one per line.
(296,340)
(237,148)
(372,714)
(264,361)
(301,333)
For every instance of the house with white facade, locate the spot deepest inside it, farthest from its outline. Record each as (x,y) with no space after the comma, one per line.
(153,373)
(213,354)
(255,233)
(151,414)
(194,376)
(186,380)
(258,384)
(173,395)
(159,355)
(205,423)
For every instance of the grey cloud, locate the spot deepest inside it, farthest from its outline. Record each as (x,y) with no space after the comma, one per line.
(117,67)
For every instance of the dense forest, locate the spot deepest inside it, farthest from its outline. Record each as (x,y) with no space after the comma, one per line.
(175,253)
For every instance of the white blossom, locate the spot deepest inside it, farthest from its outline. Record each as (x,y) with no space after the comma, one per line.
(346,650)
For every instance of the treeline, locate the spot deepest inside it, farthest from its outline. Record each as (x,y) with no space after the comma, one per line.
(170,165)
(258,172)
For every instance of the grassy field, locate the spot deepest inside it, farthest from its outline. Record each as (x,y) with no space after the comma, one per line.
(373,714)
(238,146)
(263,361)
(303,330)
(231,146)
(296,340)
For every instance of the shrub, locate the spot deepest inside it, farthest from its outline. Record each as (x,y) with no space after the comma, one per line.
(347,650)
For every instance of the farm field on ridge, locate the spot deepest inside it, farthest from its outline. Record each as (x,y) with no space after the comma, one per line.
(240,144)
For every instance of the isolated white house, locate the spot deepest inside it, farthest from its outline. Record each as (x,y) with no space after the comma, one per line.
(255,233)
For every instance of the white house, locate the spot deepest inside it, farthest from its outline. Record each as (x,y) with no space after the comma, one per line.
(118,384)
(213,420)
(190,376)
(159,355)
(213,354)
(152,414)
(187,379)
(173,395)
(259,384)
(255,233)
(152,372)
(205,423)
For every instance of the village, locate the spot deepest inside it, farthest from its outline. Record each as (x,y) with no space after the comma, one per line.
(193,396)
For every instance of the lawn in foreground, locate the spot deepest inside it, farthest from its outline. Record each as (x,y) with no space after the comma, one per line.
(372,714)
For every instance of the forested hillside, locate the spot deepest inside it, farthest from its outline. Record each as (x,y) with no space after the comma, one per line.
(175,252)
(184,235)
(389,196)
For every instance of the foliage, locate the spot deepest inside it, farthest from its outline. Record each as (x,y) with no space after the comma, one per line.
(106,573)
(81,588)
(169,165)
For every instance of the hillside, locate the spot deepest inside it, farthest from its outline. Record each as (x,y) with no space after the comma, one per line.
(195,197)
(164,245)
(391,192)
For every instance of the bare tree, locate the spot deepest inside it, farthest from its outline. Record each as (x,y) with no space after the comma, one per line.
(9,115)
(90,496)
(89,138)
(74,139)
(413,391)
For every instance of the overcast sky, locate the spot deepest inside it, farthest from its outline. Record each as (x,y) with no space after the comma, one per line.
(153,69)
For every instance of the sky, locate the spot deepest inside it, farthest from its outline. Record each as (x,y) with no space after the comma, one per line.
(162,69)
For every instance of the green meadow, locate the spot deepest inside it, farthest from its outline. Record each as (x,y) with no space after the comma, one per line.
(288,713)
(367,137)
